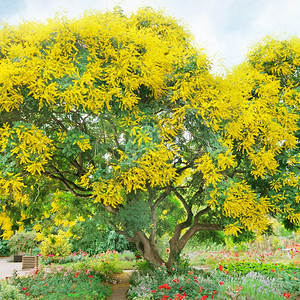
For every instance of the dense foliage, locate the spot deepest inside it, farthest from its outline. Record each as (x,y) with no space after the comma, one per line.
(121,115)
(22,242)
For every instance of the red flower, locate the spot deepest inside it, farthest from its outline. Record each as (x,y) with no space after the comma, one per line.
(154,291)
(164,286)
(91,276)
(27,294)
(45,284)
(215,292)
(176,280)
(226,272)
(178,297)
(24,288)
(273,271)
(76,275)
(287,295)
(221,268)
(221,282)
(203,297)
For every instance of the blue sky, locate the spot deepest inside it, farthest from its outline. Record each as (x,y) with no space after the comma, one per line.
(225,28)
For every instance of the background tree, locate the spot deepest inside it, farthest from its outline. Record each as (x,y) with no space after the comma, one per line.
(124,113)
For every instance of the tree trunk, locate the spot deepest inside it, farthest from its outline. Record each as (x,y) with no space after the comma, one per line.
(147,249)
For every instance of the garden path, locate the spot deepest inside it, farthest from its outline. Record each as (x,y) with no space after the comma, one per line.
(119,289)
(7,267)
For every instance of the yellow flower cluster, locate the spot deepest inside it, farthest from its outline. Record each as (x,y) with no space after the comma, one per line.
(243,204)
(31,146)
(212,173)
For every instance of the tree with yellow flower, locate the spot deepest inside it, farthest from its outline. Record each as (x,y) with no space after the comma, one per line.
(124,113)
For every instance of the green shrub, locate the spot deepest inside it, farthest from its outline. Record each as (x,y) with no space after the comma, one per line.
(4,249)
(95,241)
(23,241)
(59,282)
(10,292)
(175,283)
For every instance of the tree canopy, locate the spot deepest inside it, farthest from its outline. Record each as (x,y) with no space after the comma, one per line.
(122,114)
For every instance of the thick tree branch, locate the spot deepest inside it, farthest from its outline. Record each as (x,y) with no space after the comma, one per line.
(188,210)
(69,185)
(193,229)
(122,232)
(201,213)
(162,196)
(180,226)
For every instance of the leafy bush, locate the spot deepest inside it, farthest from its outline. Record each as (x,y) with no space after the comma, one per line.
(23,241)
(286,276)
(59,282)
(8,291)
(127,255)
(4,249)
(71,258)
(96,237)
(175,283)
(56,246)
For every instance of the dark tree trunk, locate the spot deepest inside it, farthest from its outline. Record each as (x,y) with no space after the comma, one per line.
(147,249)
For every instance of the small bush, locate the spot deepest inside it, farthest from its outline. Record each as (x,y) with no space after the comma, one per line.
(4,249)
(71,258)
(59,282)
(56,246)
(23,241)
(10,292)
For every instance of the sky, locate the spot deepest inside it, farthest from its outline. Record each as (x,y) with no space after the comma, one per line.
(225,28)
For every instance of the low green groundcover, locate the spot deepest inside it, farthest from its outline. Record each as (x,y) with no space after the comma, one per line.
(63,283)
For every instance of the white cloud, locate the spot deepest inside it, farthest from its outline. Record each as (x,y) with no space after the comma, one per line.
(279,16)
